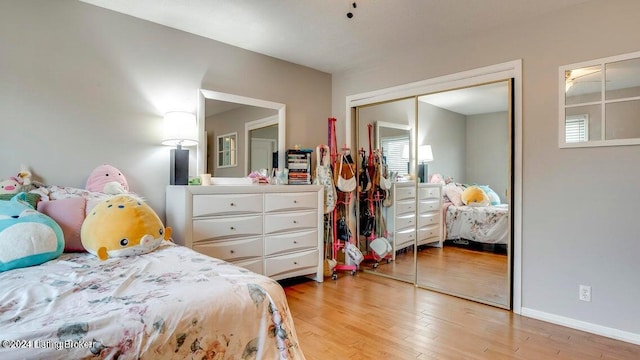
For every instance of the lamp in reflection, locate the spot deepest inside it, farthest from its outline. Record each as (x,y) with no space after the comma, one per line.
(424,155)
(179,130)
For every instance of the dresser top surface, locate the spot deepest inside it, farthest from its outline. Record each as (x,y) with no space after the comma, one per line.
(242,189)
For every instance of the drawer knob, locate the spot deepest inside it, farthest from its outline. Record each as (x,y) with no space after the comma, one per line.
(295,263)
(295,242)
(232,228)
(232,251)
(232,204)
(295,221)
(295,201)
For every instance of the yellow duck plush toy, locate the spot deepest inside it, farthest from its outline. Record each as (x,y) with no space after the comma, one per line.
(122,226)
(475,196)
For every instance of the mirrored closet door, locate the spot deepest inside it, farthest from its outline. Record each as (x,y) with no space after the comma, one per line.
(446,212)
(469,133)
(386,195)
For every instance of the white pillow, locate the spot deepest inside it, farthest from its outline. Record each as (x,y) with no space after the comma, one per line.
(454,193)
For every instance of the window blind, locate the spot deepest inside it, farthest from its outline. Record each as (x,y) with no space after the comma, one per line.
(392,147)
(576,129)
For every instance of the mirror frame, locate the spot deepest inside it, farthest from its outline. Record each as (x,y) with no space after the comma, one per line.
(204,94)
(562,89)
(391,125)
(502,71)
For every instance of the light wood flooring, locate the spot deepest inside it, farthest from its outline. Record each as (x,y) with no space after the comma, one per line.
(371,317)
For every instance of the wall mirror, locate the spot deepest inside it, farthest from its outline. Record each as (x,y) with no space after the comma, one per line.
(469,131)
(600,102)
(258,125)
(385,137)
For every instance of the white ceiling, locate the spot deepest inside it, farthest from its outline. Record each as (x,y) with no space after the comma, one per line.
(318,34)
(482,99)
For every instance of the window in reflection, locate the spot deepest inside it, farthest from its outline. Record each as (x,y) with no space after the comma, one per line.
(227,150)
(577,128)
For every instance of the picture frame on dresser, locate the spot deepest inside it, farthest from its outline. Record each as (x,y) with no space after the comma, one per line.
(273,230)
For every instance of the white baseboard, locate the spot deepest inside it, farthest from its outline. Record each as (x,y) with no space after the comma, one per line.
(582,325)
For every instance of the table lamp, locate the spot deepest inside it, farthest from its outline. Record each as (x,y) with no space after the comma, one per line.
(179,130)
(424,155)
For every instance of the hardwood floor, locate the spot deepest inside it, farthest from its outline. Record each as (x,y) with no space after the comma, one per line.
(370,317)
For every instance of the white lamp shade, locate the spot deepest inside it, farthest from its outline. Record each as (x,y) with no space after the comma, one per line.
(424,153)
(180,129)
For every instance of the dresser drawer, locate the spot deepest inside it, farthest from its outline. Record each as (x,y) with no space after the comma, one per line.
(226,227)
(429,232)
(406,222)
(405,193)
(432,218)
(290,201)
(429,193)
(275,266)
(220,204)
(404,239)
(255,265)
(277,244)
(406,206)
(233,250)
(429,205)
(283,222)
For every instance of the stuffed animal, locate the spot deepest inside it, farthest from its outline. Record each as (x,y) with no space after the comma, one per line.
(475,196)
(10,186)
(19,183)
(27,237)
(122,226)
(107,179)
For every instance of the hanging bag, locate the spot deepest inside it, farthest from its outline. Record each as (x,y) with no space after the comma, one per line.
(385,182)
(364,182)
(354,253)
(323,177)
(367,220)
(346,185)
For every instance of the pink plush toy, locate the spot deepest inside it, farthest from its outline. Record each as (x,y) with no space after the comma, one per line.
(107,179)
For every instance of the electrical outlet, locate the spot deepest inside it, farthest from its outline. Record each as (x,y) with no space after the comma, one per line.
(584,293)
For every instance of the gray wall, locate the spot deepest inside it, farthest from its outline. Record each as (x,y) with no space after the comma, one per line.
(488,151)
(81,86)
(579,205)
(446,132)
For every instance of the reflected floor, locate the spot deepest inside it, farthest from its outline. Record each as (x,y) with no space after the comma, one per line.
(471,273)
(402,268)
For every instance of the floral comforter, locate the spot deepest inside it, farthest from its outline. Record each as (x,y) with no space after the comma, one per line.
(485,224)
(172,303)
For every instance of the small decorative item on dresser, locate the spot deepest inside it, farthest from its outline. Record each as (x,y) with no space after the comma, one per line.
(205,179)
(299,165)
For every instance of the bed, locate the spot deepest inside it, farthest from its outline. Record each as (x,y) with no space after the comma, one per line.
(486,224)
(473,214)
(171,303)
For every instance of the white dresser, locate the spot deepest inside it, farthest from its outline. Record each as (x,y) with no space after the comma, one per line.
(430,214)
(401,216)
(274,230)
